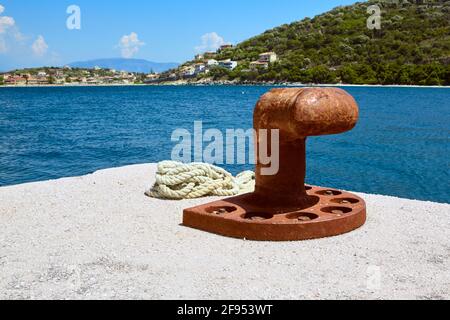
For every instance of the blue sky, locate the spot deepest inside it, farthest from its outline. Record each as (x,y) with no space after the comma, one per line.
(34,33)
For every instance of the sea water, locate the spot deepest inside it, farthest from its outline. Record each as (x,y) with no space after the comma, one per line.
(400,147)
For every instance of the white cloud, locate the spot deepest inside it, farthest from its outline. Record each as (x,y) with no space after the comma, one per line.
(39,46)
(5,22)
(13,41)
(129,45)
(210,42)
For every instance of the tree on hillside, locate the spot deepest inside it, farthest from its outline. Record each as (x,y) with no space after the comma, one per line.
(348,74)
(218,73)
(322,74)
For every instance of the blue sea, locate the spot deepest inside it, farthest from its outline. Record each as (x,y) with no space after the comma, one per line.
(400,147)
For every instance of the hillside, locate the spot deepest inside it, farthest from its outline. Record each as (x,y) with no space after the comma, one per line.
(412,47)
(130,65)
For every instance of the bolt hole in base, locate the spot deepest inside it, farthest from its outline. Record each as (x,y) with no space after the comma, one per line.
(329,193)
(337,210)
(257,216)
(345,201)
(302,216)
(221,210)
(245,220)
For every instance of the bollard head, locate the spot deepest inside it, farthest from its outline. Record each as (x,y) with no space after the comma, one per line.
(303,112)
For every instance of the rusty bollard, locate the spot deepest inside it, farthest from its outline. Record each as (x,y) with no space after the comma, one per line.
(282,208)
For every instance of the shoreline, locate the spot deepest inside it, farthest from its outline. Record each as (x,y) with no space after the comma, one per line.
(99,237)
(33,183)
(187,84)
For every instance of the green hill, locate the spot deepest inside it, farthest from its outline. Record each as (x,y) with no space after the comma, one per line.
(412,47)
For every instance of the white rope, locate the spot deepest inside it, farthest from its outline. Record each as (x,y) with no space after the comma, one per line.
(176,181)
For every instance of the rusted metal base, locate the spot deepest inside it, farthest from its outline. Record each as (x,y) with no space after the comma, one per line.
(326,213)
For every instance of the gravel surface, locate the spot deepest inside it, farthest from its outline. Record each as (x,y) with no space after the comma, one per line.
(99,237)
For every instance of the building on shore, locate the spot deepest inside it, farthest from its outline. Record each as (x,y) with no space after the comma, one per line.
(151,78)
(228,64)
(5,75)
(212,63)
(199,57)
(92,80)
(36,80)
(59,73)
(15,80)
(188,72)
(60,80)
(269,57)
(257,65)
(209,55)
(62,76)
(32,81)
(224,47)
(265,59)
(199,68)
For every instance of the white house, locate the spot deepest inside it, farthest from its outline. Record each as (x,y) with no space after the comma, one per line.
(189,72)
(199,68)
(264,60)
(199,57)
(212,62)
(228,64)
(42,74)
(255,65)
(152,76)
(92,80)
(269,57)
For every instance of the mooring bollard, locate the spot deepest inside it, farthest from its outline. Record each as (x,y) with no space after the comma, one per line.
(282,208)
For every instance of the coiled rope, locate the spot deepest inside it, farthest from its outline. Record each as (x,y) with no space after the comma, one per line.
(177,181)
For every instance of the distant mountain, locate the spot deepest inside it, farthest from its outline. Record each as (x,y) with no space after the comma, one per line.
(130,65)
